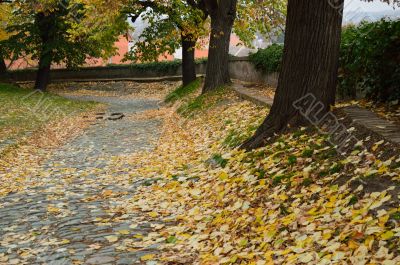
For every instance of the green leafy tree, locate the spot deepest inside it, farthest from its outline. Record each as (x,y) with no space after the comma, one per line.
(171,25)
(5,13)
(180,23)
(48,32)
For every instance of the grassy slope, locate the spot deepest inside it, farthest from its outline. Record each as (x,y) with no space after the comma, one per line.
(23,110)
(183,91)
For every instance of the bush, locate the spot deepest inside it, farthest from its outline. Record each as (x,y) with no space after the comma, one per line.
(163,66)
(370,60)
(158,67)
(269,59)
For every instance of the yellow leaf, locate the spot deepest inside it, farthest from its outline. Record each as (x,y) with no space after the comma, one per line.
(153,214)
(195,192)
(52,209)
(369,241)
(283,197)
(112,239)
(124,232)
(223,175)
(353,245)
(107,193)
(133,226)
(387,235)
(306,257)
(243,242)
(139,236)
(147,257)
(326,236)
(65,241)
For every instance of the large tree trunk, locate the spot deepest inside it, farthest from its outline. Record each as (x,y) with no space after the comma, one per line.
(188,61)
(45,24)
(223,14)
(308,78)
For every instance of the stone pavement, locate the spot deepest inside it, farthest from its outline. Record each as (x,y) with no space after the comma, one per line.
(373,122)
(75,218)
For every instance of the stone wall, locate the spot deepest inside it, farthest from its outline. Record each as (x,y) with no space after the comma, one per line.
(240,68)
(93,73)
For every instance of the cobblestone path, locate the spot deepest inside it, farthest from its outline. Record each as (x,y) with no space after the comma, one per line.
(74,218)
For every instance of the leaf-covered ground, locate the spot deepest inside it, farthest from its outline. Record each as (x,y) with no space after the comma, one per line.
(295,201)
(32,124)
(26,110)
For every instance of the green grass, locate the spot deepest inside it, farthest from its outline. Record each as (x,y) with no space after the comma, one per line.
(24,110)
(183,91)
(218,159)
(202,102)
(236,137)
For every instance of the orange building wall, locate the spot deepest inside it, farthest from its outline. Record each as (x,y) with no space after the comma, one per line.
(122,46)
(203,52)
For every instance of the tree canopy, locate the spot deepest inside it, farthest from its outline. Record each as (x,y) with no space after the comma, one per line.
(59,19)
(167,20)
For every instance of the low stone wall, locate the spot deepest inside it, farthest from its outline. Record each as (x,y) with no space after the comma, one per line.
(93,73)
(240,68)
(243,69)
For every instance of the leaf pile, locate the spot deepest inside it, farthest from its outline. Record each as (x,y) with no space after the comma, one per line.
(293,202)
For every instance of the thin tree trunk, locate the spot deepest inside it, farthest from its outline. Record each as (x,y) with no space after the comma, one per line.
(223,14)
(309,68)
(45,24)
(188,60)
(4,76)
(42,77)
(3,66)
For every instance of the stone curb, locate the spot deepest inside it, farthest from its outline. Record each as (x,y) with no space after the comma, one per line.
(251,96)
(362,117)
(372,122)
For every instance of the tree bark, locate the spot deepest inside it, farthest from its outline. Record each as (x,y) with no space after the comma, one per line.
(309,68)
(45,24)
(223,14)
(188,60)
(3,68)
(43,77)
(4,75)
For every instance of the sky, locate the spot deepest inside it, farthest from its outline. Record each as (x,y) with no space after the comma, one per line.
(352,5)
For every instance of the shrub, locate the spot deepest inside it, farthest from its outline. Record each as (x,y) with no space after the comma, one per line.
(370,60)
(269,59)
(158,67)
(163,66)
